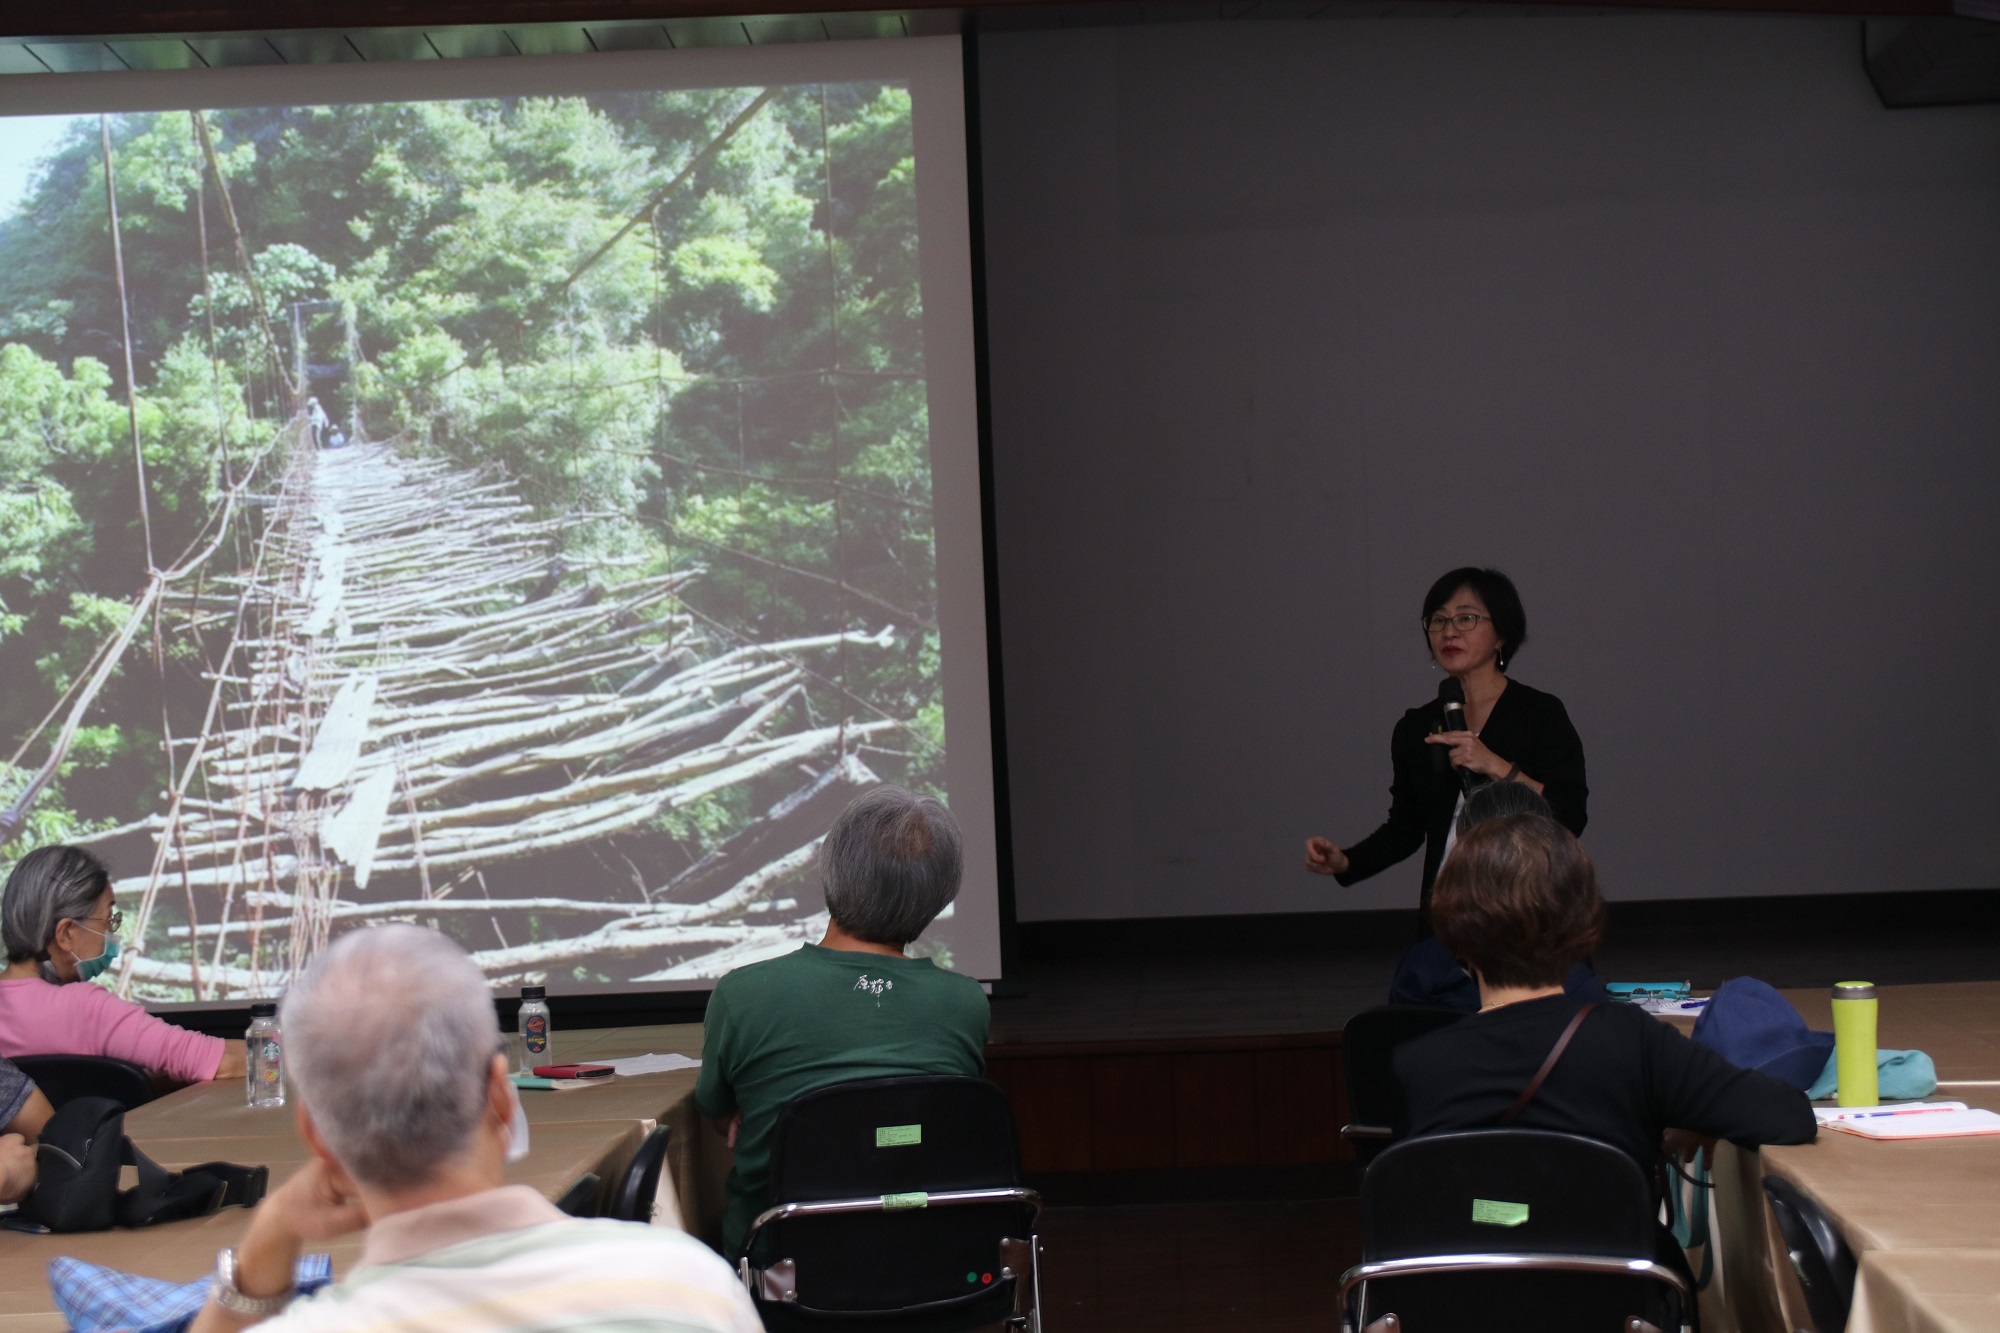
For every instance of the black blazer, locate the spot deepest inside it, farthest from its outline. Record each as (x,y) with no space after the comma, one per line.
(1527,727)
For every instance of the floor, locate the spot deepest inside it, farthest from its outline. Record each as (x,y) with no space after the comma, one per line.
(1165,1268)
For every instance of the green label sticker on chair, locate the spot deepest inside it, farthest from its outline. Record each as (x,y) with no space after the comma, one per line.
(898,1136)
(1499,1213)
(896,1202)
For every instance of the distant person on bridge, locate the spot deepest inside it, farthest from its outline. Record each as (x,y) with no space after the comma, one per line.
(336,439)
(316,416)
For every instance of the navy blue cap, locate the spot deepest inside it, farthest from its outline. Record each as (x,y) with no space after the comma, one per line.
(1750,1025)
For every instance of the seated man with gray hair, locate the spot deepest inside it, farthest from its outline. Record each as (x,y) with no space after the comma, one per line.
(404,1103)
(851,1006)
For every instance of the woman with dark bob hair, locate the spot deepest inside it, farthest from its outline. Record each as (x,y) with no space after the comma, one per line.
(1518,903)
(1473,625)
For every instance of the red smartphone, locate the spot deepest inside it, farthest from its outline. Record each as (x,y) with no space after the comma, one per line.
(574,1071)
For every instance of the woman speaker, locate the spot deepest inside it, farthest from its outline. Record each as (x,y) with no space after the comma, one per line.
(1473,625)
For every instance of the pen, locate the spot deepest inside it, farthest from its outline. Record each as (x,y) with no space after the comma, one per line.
(1912,1110)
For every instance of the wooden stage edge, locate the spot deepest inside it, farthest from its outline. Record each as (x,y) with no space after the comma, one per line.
(1266,1108)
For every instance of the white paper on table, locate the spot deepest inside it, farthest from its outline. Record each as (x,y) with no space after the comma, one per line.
(1827,1115)
(1934,1122)
(1660,1007)
(652,1064)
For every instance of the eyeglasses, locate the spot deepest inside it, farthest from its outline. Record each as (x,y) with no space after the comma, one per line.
(1464,622)
(113,926)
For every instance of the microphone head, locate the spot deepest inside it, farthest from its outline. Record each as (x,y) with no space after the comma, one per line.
(1451,691)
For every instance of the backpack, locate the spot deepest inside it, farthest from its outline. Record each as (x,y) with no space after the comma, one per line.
(82,1148)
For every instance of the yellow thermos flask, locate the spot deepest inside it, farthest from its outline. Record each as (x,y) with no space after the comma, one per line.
(1854,1042)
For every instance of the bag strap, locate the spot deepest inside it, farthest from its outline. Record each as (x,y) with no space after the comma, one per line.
(1541,1075)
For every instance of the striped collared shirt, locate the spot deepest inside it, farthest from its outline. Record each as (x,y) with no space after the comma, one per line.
(506,1261)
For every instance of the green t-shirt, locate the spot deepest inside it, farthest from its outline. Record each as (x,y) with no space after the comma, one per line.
(785,1026)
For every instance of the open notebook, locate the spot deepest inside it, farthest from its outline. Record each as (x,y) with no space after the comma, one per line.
(1909,1120)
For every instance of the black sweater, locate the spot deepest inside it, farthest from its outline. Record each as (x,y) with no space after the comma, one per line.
(1626,1078)
(1526,727)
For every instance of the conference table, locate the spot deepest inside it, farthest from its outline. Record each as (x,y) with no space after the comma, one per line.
(594,1130)
(1922,1217)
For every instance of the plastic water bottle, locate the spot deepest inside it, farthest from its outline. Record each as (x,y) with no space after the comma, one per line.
(264,1071)
(536,1035)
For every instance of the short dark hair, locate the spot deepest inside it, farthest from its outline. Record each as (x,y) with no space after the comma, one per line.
(1503,603)
(1517,900)
(1496,799)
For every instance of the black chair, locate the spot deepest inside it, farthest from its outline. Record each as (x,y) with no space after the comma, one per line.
(1819,1256)
(632,1201)
(1503,1229)
(64,1078)
(580,1199)
(1374,1094)
(897,1203)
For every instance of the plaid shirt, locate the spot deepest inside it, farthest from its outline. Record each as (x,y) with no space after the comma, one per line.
(96,1299)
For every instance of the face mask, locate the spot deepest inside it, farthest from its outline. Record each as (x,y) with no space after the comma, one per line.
(89,969)
(517,1131)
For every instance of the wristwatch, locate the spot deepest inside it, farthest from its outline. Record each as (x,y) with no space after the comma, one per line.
(231,1298)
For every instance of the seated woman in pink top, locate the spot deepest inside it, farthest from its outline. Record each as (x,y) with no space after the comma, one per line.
(61,928)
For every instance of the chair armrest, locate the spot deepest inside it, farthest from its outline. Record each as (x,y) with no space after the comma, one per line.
(1489,1263)
(886,1203)
(1367,1132)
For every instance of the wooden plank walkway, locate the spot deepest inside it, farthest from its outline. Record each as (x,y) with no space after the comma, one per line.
(425,687)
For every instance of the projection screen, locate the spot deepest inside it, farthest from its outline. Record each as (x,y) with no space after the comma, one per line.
(526,496)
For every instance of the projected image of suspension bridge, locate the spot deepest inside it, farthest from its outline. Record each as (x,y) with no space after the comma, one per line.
(513,517)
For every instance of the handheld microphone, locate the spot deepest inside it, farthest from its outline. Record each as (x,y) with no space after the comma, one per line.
(1452,695)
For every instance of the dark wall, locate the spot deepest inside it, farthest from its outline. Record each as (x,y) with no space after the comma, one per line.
(1664,315)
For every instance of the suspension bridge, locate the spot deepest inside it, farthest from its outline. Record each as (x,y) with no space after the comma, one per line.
(420,696)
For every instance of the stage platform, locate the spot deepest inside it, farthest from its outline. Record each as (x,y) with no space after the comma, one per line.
(1200,1058)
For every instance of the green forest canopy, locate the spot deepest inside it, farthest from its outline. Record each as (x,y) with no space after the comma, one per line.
(736,383)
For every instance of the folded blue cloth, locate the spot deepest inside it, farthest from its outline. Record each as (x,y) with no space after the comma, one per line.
(96,1299)
(1902,1076)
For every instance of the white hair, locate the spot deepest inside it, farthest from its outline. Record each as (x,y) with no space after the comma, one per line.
(389,1036)
(890,863)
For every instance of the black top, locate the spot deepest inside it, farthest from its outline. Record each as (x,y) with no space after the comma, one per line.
(1626,1078)
(1526,727)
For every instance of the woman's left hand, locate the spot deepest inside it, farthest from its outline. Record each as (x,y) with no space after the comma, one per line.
(1468,754)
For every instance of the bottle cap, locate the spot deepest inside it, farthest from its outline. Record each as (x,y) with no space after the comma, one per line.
(263,1011)
(534,992)
(1854,990)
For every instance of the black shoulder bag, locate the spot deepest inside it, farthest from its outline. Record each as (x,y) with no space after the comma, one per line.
(78,1158)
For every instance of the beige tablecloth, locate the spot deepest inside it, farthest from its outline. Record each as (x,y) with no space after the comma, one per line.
(1927,1291)
(1922,1217)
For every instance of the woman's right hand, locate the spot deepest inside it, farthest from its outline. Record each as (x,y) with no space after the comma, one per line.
(1323,857)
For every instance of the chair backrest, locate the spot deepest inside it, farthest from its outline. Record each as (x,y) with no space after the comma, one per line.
(1368,1044)
(1515,1192)
(1525,1191)
(64,1078)
(1820,1257)
(580,1199)
(898,1141)
(640,1185)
